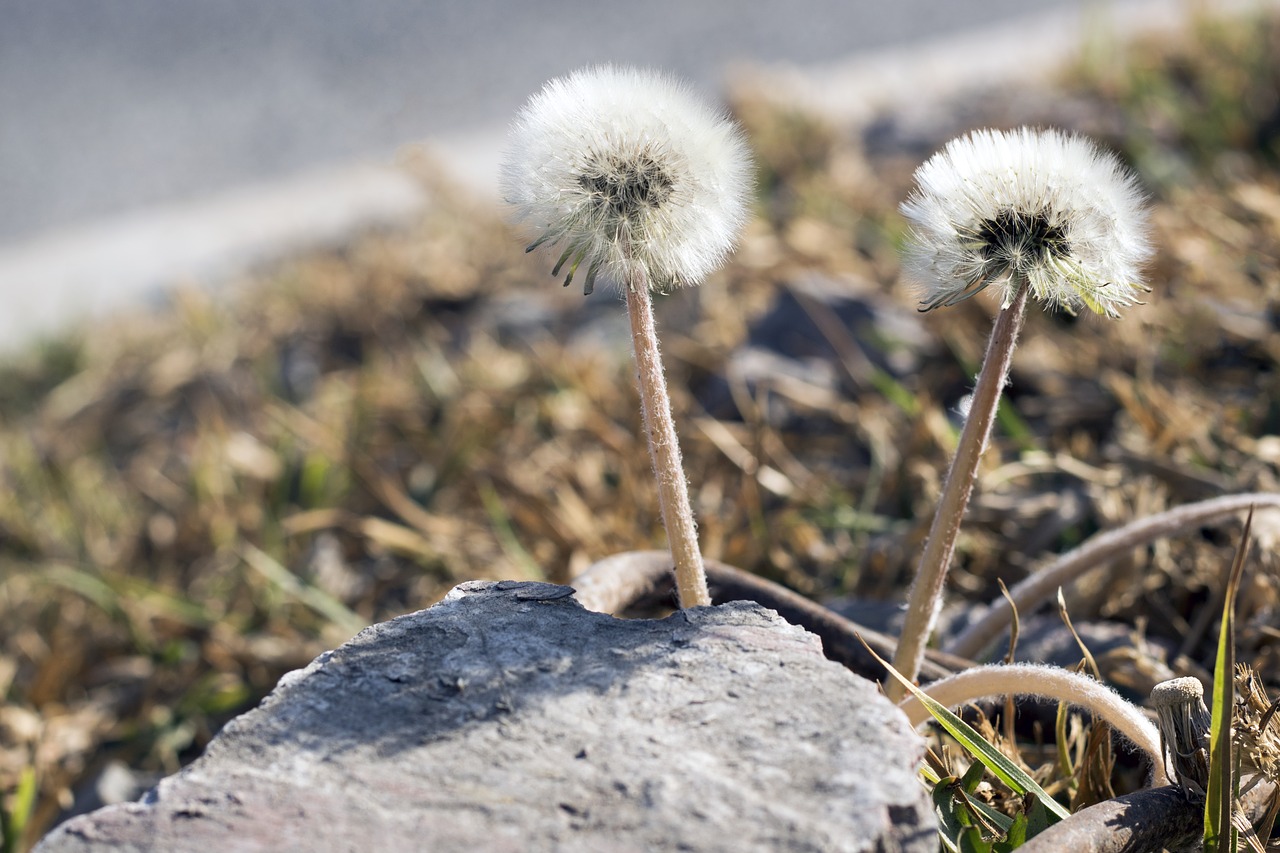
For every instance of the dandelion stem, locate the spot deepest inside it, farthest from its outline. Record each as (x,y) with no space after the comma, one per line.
(925,598)
(664,448)
(1047,682)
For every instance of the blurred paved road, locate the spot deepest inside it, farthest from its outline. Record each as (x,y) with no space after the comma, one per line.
(123,105)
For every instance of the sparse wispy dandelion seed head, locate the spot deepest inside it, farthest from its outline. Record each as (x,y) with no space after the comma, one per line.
(617,166)
(1041,207)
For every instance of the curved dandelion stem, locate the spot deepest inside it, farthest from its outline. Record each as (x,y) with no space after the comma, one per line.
(1047,682)
(1096,553)
(664,449)
(925,598)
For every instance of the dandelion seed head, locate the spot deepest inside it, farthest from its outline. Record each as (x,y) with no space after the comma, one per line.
(1041,207)
(617,166)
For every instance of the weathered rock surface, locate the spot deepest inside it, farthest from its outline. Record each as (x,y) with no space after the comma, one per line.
(509,718)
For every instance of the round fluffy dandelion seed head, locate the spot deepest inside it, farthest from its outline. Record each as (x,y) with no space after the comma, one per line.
(618,166)
(1037,207)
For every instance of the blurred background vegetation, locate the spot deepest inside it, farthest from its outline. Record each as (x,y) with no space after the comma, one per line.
(198,499)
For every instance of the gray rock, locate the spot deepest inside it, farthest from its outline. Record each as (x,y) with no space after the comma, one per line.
(507,717)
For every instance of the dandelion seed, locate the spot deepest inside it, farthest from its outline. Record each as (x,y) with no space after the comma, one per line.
(618,166)
(1037,207)
(1038,214)
(638,179)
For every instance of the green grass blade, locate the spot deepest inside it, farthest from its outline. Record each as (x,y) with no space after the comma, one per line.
(1219,833)
(1065,768)
(949,810)
(502,528)
(1014,838)
(971,841)
(988,813)
(895,392)
(14,825)
(997,762)
(312,596)
(87,584)
(983,812)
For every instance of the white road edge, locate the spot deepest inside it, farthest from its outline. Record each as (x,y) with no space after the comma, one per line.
(60,279)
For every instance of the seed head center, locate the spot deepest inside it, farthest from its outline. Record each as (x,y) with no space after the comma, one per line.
(624,187)
(1015,238)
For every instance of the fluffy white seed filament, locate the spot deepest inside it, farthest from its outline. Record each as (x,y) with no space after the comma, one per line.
(633,177)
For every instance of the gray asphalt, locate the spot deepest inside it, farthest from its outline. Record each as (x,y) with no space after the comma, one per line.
(119,106)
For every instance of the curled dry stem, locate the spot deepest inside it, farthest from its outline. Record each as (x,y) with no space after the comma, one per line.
(1096,553)
(1051,683)
(1163,818)
(617,582)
